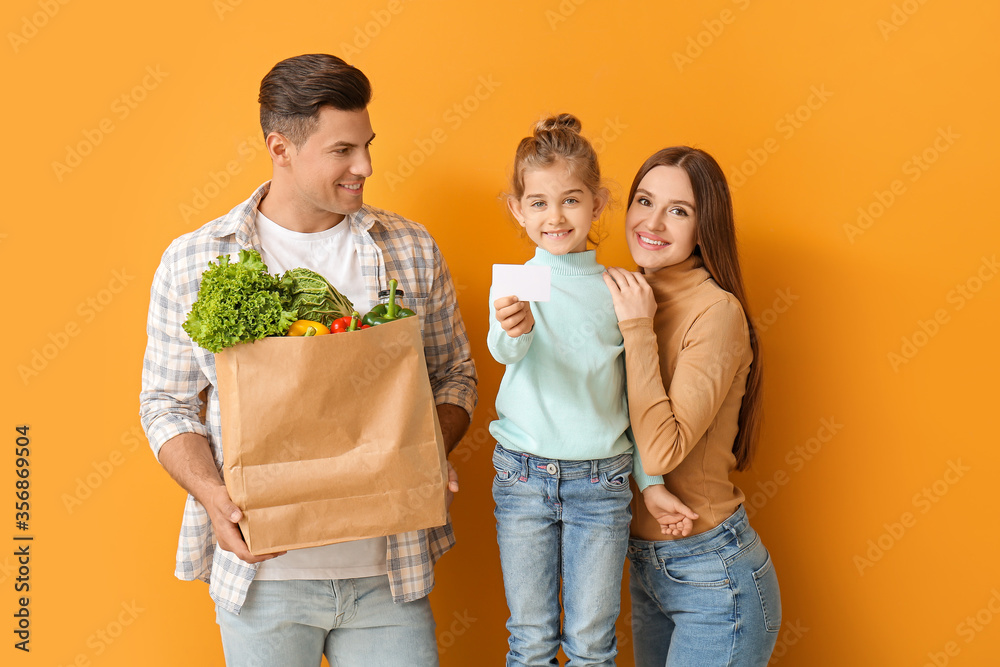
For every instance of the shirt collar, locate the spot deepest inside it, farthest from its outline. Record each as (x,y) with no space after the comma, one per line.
(362,219)
(239,222)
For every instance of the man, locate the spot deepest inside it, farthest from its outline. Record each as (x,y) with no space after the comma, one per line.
(362,602)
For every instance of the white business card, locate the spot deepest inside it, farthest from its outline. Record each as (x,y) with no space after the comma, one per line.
(527,283)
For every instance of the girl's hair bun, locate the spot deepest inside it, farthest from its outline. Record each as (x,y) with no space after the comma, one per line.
(564,121)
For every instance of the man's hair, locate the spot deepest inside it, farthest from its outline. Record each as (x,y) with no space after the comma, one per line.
(295,89)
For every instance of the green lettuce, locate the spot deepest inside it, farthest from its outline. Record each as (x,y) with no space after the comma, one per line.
(238,302)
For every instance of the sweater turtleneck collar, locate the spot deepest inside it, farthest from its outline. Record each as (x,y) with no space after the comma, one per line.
(673,281)
(571,264)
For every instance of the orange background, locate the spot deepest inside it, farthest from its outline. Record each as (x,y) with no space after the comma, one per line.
(815,111)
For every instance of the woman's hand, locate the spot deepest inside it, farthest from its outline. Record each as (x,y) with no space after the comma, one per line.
(514,316)
(630,293)
(675,518)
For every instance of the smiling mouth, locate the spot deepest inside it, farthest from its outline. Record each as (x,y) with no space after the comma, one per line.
(556,235)
(352,187)
(652,242)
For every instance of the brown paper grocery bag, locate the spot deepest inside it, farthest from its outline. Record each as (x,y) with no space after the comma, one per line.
(331,438)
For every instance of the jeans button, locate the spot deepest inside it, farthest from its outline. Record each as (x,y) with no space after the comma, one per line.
(551,469)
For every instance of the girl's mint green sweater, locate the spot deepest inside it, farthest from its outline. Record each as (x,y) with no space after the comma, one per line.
(563,392)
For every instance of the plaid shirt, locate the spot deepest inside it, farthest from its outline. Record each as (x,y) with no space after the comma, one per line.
(175,371)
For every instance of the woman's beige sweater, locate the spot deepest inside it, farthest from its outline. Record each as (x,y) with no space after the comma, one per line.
(687,369)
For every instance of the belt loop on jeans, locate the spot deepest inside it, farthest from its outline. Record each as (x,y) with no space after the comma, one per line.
(524,468)
(594,471)
(655,558)
(734,532)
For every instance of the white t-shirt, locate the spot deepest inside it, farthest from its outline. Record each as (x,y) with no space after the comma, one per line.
(333,255)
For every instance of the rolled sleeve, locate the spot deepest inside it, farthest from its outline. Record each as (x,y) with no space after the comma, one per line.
(169,402)
(446,344)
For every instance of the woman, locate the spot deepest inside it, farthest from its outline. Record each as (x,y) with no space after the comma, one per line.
(694,383)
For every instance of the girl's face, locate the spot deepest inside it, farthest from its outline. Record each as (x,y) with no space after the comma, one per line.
(557,209)
(662,222)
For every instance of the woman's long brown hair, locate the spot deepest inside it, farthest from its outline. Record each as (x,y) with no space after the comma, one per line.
(717,247)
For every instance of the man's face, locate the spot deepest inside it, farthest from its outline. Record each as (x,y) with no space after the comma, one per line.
(329,169)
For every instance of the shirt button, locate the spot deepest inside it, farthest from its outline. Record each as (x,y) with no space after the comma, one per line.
(551,469)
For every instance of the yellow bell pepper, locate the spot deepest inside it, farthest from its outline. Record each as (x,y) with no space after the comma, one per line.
(307,328)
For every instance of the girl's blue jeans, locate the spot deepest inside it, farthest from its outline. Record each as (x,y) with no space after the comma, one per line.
(565,520)
(708,600)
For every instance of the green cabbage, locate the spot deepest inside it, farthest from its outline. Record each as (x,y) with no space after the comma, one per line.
(311,297)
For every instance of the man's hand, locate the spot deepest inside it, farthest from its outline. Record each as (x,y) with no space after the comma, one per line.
(188,459)
(454,423)
(449,494)
(675,518)
(514,316)
(225,516)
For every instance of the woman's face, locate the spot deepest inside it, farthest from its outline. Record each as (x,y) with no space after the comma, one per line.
(662,222)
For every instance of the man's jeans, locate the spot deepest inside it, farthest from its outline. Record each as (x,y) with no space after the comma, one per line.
(353,621)
(562,518)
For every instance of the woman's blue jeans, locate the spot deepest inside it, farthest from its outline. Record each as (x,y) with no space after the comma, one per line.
(707,600)
(565,519)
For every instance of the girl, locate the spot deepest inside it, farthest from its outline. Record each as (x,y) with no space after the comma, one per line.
(564,456)
(694,383)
